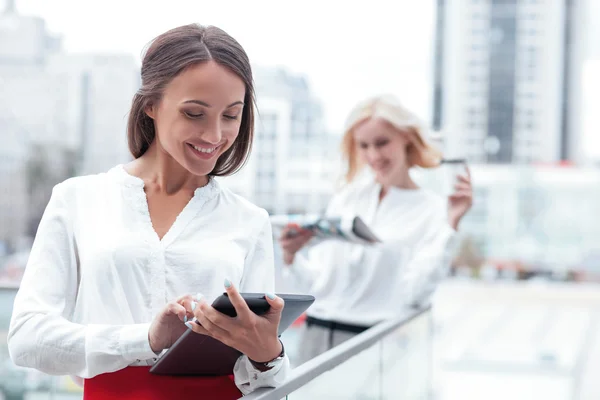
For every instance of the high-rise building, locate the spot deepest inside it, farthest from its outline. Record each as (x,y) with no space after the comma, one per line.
(508,79)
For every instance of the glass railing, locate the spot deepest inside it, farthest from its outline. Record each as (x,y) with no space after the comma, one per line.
(392,360)
(368,366)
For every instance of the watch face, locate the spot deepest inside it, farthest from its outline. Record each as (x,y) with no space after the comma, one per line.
(274,362)
(280,357)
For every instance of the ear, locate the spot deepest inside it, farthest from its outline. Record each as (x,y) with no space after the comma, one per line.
(150,111)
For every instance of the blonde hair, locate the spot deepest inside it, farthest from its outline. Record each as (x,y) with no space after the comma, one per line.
(389,109)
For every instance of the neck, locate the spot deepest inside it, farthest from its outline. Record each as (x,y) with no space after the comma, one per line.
(157,168)
(404,181)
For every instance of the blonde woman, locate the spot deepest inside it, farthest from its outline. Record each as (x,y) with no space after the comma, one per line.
(359,286)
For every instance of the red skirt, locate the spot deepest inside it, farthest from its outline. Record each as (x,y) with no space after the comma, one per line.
(138,383)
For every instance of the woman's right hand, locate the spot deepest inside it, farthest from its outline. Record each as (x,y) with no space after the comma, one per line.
(169,324)
(292,243)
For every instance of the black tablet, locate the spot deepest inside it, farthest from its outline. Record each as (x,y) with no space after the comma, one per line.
(199,355)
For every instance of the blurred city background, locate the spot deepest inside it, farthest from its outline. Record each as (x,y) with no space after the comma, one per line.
(513,86)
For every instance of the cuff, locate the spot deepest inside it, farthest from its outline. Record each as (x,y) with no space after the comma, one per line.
(134,343)
(248,378)
(302,268)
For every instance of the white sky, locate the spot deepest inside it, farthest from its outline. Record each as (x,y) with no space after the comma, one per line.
(347,49)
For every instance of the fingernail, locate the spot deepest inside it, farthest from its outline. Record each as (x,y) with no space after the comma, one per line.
(227,283)
(194,305)
(189,325)
(185,319)
(271,296)
(199,297)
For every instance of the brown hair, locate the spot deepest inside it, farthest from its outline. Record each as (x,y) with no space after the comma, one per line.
(166,57)
(419,151)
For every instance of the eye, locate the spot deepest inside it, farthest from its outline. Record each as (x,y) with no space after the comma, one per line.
(192,115)
(382,143)
(363,146)
(232,117)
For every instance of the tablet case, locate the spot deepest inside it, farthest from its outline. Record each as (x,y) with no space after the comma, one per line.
(199,355)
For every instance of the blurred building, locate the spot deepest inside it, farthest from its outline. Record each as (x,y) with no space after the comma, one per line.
(508,79)
(100,89)
(294,162)
(24,40)
(590,116)
(13,184)
(60,115)
(31,111)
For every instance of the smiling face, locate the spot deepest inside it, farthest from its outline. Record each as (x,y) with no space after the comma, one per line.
(383,148)
(199,116)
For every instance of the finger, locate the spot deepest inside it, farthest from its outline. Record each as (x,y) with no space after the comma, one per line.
(301,239)
(307,234)
(462,186)
(291,230)
(190,303)
(462,194)
(286,234)
(177,309)
(289,241)
(277,304)
(221,320)
(297,243)
(464,178)
(468,171)
(212,329)
(196,327)
(241,308)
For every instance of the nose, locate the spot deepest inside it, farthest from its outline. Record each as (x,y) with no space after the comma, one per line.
(373,155)
(212,132)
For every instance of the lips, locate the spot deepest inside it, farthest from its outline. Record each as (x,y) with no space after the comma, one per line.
(204,151)
(380,166)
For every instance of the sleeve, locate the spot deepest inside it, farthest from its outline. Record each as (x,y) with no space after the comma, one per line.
(259,276)
(41,336)
(429,262)
(305,268)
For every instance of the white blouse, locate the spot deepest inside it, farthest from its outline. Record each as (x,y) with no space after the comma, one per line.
(98,274)
(364,285)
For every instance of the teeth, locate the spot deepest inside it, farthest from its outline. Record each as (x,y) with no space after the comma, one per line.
(203,150)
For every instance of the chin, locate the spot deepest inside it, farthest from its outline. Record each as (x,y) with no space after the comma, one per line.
(199,168)
(382,179)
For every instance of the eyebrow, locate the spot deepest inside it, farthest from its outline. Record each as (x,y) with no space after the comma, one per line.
(208,105)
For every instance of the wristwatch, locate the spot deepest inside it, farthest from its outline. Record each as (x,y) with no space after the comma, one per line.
(265,366)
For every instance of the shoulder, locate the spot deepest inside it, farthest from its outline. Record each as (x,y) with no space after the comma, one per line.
(353,191)
(244,209)
(76,187)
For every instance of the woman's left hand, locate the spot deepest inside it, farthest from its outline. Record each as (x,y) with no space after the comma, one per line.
(253,335)
(461,200)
